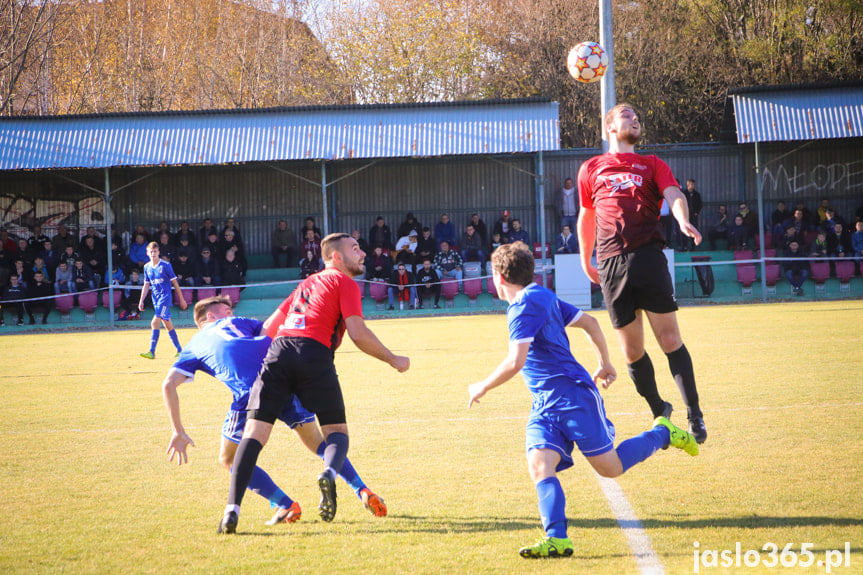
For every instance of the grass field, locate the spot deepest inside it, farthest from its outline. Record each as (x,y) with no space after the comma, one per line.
(88,489)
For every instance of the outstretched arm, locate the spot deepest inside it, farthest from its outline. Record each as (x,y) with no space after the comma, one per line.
(605,373)
(369,343)
(680,209)
(179,440)
(505,371)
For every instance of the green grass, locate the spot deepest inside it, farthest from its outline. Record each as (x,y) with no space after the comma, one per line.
(88,489)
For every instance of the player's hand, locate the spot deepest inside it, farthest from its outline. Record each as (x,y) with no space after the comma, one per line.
(593,274)
(183,304)
(179,442)
(140,306)
(604,375)
(401,362)
(476,391)
(691,231)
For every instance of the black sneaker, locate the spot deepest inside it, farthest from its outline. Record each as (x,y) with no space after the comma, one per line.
(19,322)
(327,507)
(436,306)
(697,429)
(390,308)
(32,321)
(228,524)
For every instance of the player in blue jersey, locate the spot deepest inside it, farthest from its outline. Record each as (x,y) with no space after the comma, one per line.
(158,278)
(567,408)
(232,349)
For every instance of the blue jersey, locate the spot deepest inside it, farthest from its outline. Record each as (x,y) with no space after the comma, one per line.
(232,350)
(159,277)
(550,372)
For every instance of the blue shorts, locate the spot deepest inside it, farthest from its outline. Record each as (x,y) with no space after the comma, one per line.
(293,415)
(162,307)
(584,424)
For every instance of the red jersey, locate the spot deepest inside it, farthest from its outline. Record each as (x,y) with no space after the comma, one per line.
(626,192)
(318,307)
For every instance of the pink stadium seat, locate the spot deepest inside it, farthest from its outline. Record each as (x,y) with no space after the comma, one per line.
(65,303)
(769,253)
(472,288)
(206,292)
(768,240)
(88,301)
(537,250)
(378,291)
(449,289)
(743,254)
(189,296)
(772,274)
(845,271)
(820,271)
(746,274)
(118,294)
(361,283)
(231,292)
(861,267)
(490,287)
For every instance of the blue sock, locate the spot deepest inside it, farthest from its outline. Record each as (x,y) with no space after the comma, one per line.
(175,339)
(336,451)
(552,507)
(348,473)
(637,449)
(154,339)
(263,485)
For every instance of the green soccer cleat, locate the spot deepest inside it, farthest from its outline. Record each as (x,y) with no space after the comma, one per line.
(548,547)
(148,355)
(679,438)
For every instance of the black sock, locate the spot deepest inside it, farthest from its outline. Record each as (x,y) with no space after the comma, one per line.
(644,378)
(244,466)
(680,364)
(336,451)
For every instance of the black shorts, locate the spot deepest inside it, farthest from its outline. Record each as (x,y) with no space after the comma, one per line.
(636,280)
(297,366)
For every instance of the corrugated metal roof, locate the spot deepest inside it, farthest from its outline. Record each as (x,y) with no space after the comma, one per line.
(234,136)
(802,113)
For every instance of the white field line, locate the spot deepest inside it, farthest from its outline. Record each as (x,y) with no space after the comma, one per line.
(645,557)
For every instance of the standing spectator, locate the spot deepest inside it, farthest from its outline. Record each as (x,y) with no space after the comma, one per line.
(426,245)
(207,272)
(472,246)
(779,220)
(720,228)
(518,234)
(738,235)
(857,241)
(93,257)
(796,270)
(567,242)
(311,243)
(82,277)
(693,201)
(63,239)
(380,234)
(310,264)
(40,292)
(118,256)
(409,224)
(229,243)
(17,292)
(63,279)
(444,231)
(159,278)
(185,232)
(480,227)
(798,222)
(429,284)
(205,230)
(402,285)
(283,242)
(568,205)
(750,218)
(669,226)
(503,226)
(37,239)
(448,263)
(364,245)
(378,265)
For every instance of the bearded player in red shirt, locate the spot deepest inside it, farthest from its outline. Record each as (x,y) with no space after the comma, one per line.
(621,194)
(306,329)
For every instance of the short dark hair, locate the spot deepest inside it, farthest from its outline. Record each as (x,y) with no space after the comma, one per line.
(331,244)
(514,262)
(203,306)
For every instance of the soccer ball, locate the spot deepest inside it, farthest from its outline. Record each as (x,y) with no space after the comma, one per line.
(587,62)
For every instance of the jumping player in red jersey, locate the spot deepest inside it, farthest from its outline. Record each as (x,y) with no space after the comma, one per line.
(621,194)
(307,328)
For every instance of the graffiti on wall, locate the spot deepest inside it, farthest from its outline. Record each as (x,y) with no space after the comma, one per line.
(837,179)
(18,215)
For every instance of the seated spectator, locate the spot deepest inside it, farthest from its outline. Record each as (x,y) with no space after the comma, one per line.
(310,264)
(401,287)
(63,239)
(163,228)
(167,249)
(857,241)
(503,225)
(309,224)
(409,224)
(132,296)
(444,231)
(798,221)
(24,253)
(480,227)
(819,245)
(429,284)
(797,270)
(138,252)
(204,232)
(229,243)
(50,256)
(778,220)
(39,267)
(238,237)
(750,218)
(39,292)
(380,234)
(426,245)
(810,220)
(22,273)
(231,271)
(118,257)
(17,292)
(519,234)
(63,280)
(311,243)
(496,242)
(140,229)
(378,265)
(472,247)
(98,238)
(791,235)
(567,243)
(406,249)
(822,210)
(283,242)
(838,242)
(207,269)
(212,242)
(82,277)
(364,245)
(448,263)
(830,220)
(739,237)
(10,246)
(184,269)
(185,232)
(115,276)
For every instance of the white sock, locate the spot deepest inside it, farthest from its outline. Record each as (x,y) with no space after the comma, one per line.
(234,508)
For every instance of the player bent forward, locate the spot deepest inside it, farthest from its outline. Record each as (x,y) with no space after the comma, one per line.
(567,407)
(309,326)
(231,349)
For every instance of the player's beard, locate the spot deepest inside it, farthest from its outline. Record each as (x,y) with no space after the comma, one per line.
(630,138)
(356,268)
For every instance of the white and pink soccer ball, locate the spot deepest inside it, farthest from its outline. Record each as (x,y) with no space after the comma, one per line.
(587,62)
